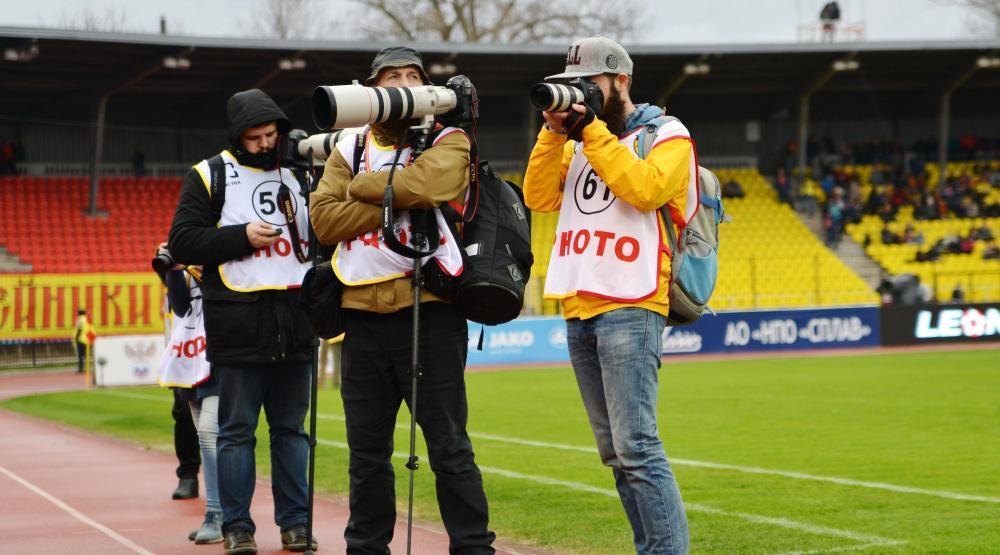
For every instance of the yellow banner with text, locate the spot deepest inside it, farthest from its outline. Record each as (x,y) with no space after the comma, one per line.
(44,306)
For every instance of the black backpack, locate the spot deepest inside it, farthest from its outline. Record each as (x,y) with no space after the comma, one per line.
(495,233)
(496,238)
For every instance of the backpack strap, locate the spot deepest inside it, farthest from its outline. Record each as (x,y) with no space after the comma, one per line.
(217,176)
(646,138)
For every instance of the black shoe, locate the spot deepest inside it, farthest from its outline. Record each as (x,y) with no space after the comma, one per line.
(294,539)
(187,488)
(240,540)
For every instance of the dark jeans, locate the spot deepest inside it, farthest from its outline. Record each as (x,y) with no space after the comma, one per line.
(81,354)
(185,439)
(283,390)
(375,380)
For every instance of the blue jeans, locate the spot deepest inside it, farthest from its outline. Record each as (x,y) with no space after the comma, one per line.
(205,414)
(616,358)
(283,391)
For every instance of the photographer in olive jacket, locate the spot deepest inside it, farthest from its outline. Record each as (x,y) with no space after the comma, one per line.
(377,314)
(259,341)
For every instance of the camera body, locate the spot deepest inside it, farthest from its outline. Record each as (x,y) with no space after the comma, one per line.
(555,97)
(163,263)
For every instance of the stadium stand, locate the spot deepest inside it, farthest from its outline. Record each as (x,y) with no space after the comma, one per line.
(46,228)
(937,233)
(768,258)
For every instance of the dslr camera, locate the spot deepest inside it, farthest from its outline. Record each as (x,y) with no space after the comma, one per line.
(554,97)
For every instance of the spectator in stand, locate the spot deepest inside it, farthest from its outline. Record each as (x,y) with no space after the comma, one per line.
(834,220)
(732,189)
(928,208)
(809,197)
(968,208)
(784,186)
(912,236)
(967,245)
(957,294)
(138,163)
(991,252)
(889,237)
(7,165)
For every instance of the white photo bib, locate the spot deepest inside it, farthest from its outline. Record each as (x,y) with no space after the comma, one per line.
(184,363)
(251,196)
(365,259)
(604,247)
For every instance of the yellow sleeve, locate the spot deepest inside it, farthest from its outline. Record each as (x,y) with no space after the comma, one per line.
(546,173)
(646,184)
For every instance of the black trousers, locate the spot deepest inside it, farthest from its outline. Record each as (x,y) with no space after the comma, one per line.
(81,354)
(375,380)
(185,439)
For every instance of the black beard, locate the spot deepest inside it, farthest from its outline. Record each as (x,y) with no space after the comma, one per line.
(264,160)
(614,112)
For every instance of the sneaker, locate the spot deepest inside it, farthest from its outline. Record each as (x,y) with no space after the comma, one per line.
(187,488)
(294,539)
(240,540)
(211,529)
(193,534)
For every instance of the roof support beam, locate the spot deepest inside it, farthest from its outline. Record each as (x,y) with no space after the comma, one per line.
(944,117)
(804,98)
(677,82)
(118,82)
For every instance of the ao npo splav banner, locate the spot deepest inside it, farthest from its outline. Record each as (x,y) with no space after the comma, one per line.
(954,323)
(776,330)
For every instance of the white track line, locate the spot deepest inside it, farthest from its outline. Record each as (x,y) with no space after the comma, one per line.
(77,514)
(685,462)
(868,540)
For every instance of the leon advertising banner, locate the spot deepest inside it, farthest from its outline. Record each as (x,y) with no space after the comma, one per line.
(44,306)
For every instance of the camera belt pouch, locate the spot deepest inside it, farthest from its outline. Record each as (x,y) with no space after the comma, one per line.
(319,298)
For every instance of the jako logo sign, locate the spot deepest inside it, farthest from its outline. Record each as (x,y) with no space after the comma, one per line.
(511,340)
(955,322)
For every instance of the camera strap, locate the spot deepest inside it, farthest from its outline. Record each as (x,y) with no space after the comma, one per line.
(217,176)
(288,209)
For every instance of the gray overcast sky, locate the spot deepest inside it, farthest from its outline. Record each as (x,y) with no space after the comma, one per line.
(671,21)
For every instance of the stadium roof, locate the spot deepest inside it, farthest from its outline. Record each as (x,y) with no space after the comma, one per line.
(72,69)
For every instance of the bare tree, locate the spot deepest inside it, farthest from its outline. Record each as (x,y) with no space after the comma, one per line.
(111,20)
(504,21)
(989,9)
(287,19)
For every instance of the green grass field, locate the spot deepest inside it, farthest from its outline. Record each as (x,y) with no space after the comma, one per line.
(876,454)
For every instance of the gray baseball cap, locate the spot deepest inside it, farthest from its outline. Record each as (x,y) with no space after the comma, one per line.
(594,56)
(396,56)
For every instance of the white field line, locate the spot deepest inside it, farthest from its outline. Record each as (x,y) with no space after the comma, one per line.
(76,514)
(868,540)
(841,549)
(736,468)
(682,462)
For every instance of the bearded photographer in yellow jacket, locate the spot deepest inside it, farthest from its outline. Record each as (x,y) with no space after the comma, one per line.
(610,268)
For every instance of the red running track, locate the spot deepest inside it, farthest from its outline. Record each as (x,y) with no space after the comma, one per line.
(67,491)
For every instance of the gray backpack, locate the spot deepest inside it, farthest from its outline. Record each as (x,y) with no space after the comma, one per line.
(695,254)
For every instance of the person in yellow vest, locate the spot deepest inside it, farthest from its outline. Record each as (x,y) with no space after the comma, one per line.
(377,307)
(610,268)
(83,338)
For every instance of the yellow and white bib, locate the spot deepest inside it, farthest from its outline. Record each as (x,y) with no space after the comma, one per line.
(252,195)
(605,247)
(184,363)
(365,259)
